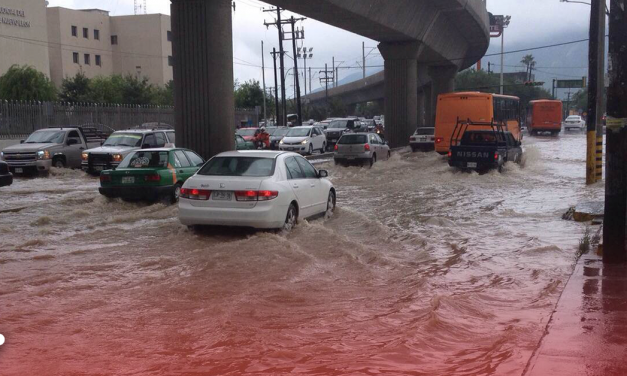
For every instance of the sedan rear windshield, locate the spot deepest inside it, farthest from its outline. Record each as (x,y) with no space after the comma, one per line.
(124,139)
(145,159)
(353,139)
(425,131)
(238,166)
(573,118)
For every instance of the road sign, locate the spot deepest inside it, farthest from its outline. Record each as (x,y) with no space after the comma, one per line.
(496,25)
(571,84)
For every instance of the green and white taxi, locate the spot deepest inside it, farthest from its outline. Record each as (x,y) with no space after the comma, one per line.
(151,174)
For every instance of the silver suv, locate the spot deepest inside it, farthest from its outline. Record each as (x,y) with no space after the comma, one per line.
(122,143)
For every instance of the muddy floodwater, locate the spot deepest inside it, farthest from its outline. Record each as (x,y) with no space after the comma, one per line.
(422,270)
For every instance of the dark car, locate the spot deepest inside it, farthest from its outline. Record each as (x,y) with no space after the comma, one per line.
(6,178)
(336,129)
(483,150)
(276,136)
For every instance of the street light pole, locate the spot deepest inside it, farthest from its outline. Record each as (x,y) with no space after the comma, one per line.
(506,20)
(263,75)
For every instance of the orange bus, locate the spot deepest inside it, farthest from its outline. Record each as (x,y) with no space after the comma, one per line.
(544,116)
(478,107)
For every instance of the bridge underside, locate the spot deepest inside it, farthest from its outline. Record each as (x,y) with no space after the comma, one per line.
(418,38)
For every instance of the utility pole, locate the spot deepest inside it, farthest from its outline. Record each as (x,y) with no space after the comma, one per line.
(363,54)
(614,232)
(309,80)
(263,75)
(279,26)
(553,89)
(594,59)
(506,21)
(306,55)
(333,63)
(276,89)
(326,79)
(296,35)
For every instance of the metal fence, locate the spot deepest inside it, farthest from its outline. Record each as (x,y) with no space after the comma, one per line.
(18,119)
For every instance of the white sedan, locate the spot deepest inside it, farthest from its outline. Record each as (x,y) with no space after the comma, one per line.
(303,140)
(258,189)
(574,122)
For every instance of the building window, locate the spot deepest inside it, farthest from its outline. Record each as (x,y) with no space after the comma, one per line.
(98,61)
(74,31)
(75,57)
(96,34)
(169,36)
(114,39)
(170,61)
(87,58)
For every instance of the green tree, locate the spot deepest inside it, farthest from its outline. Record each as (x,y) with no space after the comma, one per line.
(26,84)
(529,62)
(249,95)
(337,108)
(163,95)
(75,89)
(106,89)
(136,90)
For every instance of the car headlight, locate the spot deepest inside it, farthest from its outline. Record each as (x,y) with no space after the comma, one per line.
(43,154)
(84,156)
(281,142)
(117,157)
(305,142)
(2,155)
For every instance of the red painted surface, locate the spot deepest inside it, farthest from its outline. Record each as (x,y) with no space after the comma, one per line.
(588,332)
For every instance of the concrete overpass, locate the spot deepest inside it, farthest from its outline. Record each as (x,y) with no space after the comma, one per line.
(418,38)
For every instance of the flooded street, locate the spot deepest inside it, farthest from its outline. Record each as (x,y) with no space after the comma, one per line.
(421,271)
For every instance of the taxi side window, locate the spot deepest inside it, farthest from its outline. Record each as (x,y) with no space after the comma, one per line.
(184,162)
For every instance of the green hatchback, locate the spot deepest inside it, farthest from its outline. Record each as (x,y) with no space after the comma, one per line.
(151,174)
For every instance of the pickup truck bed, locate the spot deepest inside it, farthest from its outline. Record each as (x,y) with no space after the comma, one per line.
(485,150)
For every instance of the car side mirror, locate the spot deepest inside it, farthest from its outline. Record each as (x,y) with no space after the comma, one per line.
(323,174)
(325,127)
(21,141)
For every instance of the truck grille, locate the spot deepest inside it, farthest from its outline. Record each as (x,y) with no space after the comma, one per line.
(99,160)
(20,157)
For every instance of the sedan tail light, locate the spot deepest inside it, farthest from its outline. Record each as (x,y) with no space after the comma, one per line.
(335,148)
(105,178)
(496,156)
(439,140)
(256,195)
(367,147)
(195,194)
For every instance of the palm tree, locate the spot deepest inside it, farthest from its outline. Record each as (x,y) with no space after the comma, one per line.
(530,63)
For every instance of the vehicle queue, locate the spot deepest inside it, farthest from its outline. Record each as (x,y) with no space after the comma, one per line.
(266,182)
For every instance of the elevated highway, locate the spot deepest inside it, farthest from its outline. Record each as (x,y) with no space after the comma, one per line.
(430,39)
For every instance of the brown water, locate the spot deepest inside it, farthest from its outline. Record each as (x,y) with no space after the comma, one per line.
(421,271)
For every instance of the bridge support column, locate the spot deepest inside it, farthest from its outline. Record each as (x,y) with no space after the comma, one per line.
(429,113)
(443,81)
(204,102)
(401,91)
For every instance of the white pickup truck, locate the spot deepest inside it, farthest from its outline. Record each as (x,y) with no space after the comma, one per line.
(58,147)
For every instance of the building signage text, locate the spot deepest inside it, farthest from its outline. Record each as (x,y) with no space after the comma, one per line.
(12,21)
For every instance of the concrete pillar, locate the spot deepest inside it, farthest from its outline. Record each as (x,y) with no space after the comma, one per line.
(381,105)
(204,102)
(429,113)
(421,108)
(401,91)
(442,81)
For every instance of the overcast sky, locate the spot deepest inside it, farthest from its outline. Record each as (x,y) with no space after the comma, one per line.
(533,22)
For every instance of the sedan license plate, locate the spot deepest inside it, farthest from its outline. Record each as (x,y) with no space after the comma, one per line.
(334,140)
(19,170)
(221,195)
(350,158)
(128,180)
(422,139)
(471,164)
(98,168)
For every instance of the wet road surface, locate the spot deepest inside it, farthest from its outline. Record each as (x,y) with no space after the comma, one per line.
(421,271)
